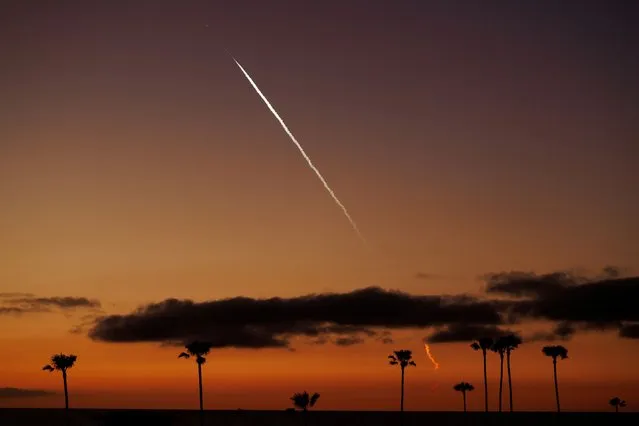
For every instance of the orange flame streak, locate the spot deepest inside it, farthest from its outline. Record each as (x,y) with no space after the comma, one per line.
(430,356)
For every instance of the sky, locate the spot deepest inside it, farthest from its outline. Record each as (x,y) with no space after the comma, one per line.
(468,141)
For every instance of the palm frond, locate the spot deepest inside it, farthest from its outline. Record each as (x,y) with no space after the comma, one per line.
(63,362)
(555,351)
(199,348)
(314,399)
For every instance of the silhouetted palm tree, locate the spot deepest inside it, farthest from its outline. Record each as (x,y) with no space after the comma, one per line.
(403,358)
(62,362)
(464,387)
(555,352)
(484,344)
(499,347)
(304,401)
(511,342)
(617,402)
(198,349)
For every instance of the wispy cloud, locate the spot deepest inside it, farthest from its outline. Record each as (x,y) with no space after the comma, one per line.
(22,303)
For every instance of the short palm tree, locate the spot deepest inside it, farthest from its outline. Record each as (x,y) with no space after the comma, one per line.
(403,358)
(511,342)
(499,347)
(484,344)
(617,402)
(198,349)
(62,362)
(464,387)
(304,401)
(555,352)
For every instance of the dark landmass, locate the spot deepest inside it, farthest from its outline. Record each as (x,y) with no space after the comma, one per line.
(55,417)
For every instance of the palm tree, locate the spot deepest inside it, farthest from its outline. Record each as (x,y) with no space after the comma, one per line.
(617,402)
(511,342)
(62,362)
(499,347)
(555,352)
(463,387)
(304,401)
(198,349)
(403,358)
(484,344)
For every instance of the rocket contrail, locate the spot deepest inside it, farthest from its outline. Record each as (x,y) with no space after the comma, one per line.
(431,357)
(308,160)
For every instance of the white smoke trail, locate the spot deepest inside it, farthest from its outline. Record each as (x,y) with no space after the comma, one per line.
(308,160)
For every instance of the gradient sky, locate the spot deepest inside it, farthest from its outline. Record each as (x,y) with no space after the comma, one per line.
(137,164)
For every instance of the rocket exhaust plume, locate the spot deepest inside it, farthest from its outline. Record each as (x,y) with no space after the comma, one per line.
(430,356)
(308,160)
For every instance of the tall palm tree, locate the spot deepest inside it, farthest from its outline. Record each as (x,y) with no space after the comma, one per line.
(484,344)
(403,358)
(464,387)
(62,362)
(555,352)
(617,402)
(198,349)
(511,342)
(499,347)
(304,401)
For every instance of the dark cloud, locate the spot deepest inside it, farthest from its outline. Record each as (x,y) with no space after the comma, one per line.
(385,337)
(629,331)
(573,302)
(528,284)
(348,341)
(23,393)
(259,323)
(21,303)
(564,330)
(465,333)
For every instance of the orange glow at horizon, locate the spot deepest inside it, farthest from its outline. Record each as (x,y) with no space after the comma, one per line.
(137,166)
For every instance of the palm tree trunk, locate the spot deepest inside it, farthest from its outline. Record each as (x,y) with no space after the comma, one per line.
(501,377)
(464,395)
(510,383)
(66,390)
(401,407)
(554,366)
(199,374)
(485,383)
(616,408)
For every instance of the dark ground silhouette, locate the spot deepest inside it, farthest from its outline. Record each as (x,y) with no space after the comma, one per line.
(56,417)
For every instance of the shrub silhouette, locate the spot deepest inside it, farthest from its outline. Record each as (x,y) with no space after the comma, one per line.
(304,401)
(617,402)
